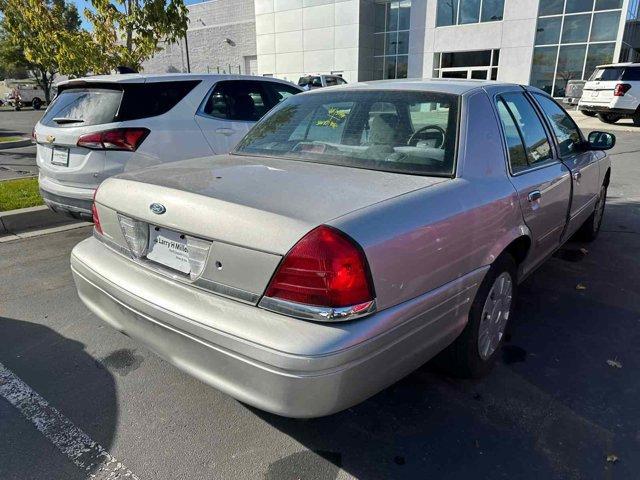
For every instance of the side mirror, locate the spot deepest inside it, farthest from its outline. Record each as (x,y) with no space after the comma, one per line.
(601,140)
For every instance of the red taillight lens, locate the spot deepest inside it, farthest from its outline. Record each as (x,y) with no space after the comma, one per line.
(94,214)
(621,89)
(125,139)
(325,268)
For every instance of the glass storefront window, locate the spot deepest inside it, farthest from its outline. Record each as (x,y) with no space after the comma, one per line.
(548,31)
(469,11)
(550,7)
(570,64)
(447,13)
(608,4)
(575,6)
(492,10)
(605,26)
(391,38)
(543,68)
(598,54)
(576,28)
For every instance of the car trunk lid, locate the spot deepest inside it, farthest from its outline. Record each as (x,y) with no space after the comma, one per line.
(257,207)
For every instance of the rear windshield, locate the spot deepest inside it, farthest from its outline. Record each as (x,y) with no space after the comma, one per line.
(616,73)
(114,103)
(404,132)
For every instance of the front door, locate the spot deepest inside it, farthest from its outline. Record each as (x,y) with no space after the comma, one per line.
(231,108)
(583,163)
(542,182)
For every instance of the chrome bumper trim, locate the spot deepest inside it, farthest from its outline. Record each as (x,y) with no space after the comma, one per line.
(315,313)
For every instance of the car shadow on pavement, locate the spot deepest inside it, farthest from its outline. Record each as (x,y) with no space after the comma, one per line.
(71,381)
(561,403)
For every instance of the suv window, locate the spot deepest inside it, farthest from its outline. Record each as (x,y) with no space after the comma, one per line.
(279,91)
(631,74)
(564,128)
(237,100)
(316,82)
(331,81)
(516,111)
(304,81)
(83,107)
(109,103)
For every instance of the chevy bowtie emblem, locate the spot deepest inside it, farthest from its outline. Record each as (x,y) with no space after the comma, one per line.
(51,139)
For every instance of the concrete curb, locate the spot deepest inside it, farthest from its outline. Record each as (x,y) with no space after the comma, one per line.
(25,142)
(32,218)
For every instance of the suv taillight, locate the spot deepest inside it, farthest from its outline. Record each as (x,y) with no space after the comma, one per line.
(324,269)
(94,213)
(123,139)
(620,89)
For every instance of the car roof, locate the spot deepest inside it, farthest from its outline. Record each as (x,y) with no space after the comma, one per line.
(622,64)
(164,77)
(440,85)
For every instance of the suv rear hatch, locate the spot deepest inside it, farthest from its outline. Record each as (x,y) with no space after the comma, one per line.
(83,108)
(601,87)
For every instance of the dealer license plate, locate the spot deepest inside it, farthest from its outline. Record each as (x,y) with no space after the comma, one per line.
(168,248)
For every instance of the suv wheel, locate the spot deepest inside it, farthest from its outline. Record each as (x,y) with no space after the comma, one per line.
(609,117)
(636,118)
(474,352)
(36,104)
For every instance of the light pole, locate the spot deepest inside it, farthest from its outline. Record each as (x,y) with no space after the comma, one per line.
(186,47)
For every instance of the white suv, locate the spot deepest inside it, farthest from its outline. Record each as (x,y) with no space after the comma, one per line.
(100,126)
(613,92)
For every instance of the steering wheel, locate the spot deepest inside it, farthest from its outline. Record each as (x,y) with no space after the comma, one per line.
(420,135)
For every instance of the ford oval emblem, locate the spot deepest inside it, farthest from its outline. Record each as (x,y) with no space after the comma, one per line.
(157,208)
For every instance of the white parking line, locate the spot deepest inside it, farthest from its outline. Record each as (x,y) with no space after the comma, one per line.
(64,435)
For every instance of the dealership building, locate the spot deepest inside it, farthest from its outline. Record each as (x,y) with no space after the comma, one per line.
(541,42)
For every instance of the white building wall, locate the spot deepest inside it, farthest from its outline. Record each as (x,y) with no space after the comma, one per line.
(296,37)
(514,36)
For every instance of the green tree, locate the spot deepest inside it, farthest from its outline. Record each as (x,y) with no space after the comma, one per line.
(127,32)
(32,34)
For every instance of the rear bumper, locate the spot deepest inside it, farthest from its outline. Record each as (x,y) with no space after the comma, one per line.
(286,366)
(605,109)
(71,201)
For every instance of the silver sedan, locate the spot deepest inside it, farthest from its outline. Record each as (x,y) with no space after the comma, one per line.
(355,233)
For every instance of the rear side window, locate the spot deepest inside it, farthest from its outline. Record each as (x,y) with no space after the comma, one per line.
(237,100)
(331,81)
(142,100)
(515,110)
(114,103)
(631,74)
(83,107)
(280,92)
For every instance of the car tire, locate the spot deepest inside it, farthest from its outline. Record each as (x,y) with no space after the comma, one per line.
(474,352)
(589,230)
(588,114)
(609,117)
(36,103)
(636,119)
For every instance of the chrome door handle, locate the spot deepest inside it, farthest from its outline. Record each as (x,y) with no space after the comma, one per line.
(535,196)
(577,175)
(225,131)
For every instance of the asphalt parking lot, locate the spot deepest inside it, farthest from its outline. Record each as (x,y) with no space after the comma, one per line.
(561,404)
(18,162)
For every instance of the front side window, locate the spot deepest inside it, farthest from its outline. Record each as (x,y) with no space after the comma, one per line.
(528,125)
(404,132)
(236,100)
(564,128)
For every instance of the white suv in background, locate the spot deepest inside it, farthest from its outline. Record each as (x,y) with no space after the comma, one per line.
(100,126)
(613,92)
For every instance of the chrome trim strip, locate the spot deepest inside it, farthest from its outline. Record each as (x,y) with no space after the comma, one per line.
(315,313)
(227,291)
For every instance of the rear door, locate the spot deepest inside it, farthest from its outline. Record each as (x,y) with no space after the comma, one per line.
(229,110)
(583,163)
(543,182)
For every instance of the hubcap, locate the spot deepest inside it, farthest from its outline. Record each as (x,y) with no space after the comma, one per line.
(495,315)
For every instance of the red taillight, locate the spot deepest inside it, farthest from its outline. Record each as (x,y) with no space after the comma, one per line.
(127,139)
(621,89)
(325,268)
(94,213)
